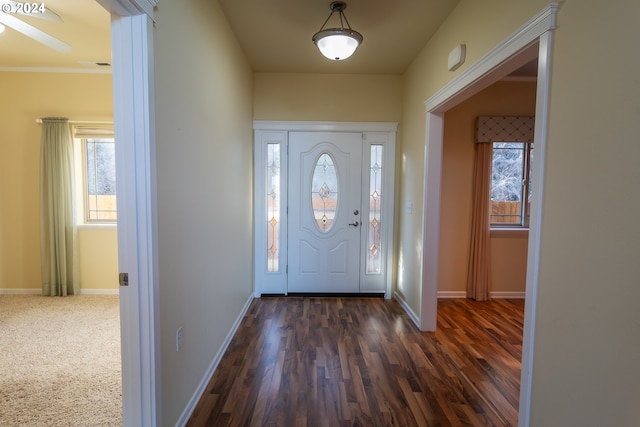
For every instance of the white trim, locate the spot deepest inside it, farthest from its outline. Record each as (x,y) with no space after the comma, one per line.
(134,120)
(97,226)
(535,226)
(20,291)
(451,294)
(492,294)
(104,70)
(199,392)
(115,291)
(431,222)
(27,291)
(130,7)
(104,123)
(507,294)
(325,126)
(533,38)
(407,308)
(499,232)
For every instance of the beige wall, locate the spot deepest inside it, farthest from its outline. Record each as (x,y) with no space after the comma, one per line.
(585,369)
(98,246)
(27,96)
(509,250)
(586,341)
(203,104)
(327,97)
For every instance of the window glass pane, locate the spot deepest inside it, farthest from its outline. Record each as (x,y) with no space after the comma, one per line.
(101,179)
(507,182)
(374,242)
(324,192)
(530,191)
(273,207)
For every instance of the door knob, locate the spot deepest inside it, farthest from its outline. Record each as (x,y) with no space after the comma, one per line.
(355,224)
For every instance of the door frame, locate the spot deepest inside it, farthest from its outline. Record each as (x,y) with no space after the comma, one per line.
(266,132)
(134,126)
(534,39)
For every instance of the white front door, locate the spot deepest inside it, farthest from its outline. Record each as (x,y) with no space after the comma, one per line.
(325,187)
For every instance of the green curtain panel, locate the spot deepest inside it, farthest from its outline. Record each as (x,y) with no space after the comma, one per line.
(58,233)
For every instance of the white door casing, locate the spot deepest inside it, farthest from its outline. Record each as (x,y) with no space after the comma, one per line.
(132,55)
(324,212)
(377,165)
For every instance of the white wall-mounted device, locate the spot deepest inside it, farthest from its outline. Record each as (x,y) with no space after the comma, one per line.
(456,57)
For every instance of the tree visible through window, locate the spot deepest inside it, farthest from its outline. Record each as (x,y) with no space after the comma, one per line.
(511,183)
(100,179)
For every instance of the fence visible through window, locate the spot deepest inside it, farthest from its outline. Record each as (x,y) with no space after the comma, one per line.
(100,179)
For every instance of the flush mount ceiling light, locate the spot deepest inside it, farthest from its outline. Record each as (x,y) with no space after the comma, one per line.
(337,43)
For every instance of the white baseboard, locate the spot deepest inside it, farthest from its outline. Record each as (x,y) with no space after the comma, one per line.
(31,291)
(507,295)
(100,291)
(414,318)
(193,402)
(11,291)
(492,294)
(452,294)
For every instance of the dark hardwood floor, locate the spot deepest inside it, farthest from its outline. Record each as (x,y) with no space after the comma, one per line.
(362,362)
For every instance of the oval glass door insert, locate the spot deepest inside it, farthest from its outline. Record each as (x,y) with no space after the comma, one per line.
(324,192)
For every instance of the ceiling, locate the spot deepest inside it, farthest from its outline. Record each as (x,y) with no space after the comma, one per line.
(274,34)
(86,28)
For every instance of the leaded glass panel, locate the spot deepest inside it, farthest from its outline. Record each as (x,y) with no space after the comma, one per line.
(374,240)
(324,192)
(273,207)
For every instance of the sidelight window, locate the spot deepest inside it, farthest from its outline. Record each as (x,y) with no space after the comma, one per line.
(273,199)
(374,237)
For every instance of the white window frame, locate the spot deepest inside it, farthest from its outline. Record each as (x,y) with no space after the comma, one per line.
(82,130)
(85,185)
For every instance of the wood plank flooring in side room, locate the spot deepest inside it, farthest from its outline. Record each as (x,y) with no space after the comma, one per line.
(362,362)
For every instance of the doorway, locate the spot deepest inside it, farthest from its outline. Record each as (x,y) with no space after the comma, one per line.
(324,207)
(533,39)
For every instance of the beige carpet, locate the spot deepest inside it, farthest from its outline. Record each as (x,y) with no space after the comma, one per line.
(60,361)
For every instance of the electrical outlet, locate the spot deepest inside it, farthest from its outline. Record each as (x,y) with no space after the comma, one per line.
(179,339)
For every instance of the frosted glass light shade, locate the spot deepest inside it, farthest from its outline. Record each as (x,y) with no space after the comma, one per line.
(337,44)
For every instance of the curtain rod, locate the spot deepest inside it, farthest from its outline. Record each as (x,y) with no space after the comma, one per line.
(82,122)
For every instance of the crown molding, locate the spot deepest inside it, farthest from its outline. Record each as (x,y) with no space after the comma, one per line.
(55,70)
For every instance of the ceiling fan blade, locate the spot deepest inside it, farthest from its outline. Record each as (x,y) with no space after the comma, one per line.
(27,9)
(34,33)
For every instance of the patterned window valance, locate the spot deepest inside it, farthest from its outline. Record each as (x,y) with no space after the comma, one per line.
(504,129)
